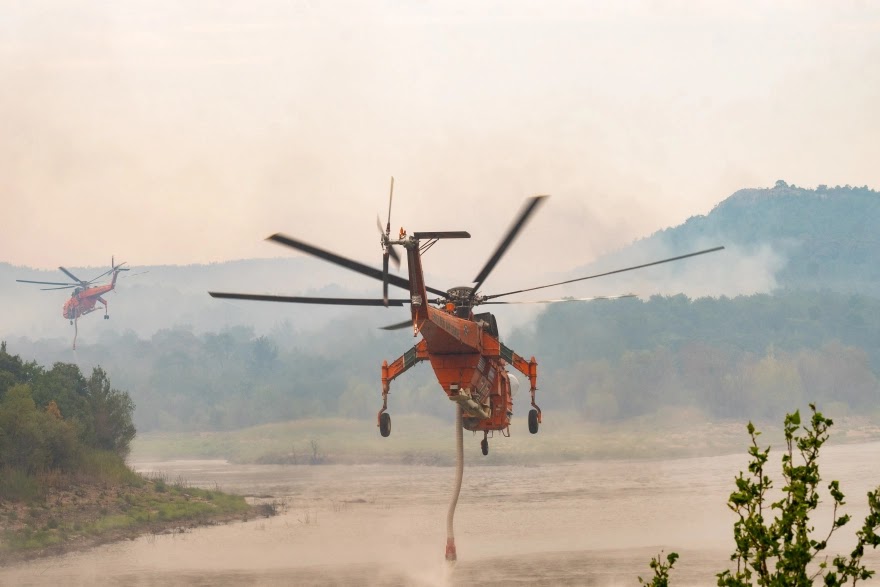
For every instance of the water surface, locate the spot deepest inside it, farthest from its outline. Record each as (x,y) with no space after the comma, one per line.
(586,523)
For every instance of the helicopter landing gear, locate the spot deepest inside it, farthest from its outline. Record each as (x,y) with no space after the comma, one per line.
(484,444)
(71,322)
(106,316)
(385,424)
(534,413)
(533,421)
(384,417)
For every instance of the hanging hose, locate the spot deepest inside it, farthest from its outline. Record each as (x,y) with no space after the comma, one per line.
(459,470)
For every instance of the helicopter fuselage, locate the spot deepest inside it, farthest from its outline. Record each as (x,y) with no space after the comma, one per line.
(468,359)
(83,299)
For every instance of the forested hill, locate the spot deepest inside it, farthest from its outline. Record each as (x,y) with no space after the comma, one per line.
(781,237)
(829,235)
(814,338)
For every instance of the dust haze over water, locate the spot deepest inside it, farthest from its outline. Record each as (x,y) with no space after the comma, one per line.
(590,523)
(168,133)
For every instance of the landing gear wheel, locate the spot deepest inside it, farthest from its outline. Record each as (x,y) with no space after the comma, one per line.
(106,316)
(533,421)
(71,322)
(484,446)
(385,424)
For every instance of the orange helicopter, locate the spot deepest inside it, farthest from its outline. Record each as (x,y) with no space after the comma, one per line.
(85,295)
(463,347)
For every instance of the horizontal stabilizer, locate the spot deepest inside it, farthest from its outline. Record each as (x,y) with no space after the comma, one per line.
(447,234)
(399,325)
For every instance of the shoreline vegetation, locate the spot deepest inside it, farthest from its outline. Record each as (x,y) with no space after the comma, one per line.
(64,482)
(55,513)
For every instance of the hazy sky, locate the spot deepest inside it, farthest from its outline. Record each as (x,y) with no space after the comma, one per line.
(183,132)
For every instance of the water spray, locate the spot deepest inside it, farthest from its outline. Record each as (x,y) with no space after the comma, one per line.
(459,470)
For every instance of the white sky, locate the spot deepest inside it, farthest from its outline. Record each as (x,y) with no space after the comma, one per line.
(184,132)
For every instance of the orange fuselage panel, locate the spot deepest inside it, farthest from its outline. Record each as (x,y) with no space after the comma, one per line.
(83,302)
(468,360)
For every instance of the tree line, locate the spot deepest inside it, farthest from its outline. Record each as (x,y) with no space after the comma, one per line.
(50,419)
(750,356)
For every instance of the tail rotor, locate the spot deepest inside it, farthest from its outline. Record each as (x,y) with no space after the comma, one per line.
(388,252)
(115,267)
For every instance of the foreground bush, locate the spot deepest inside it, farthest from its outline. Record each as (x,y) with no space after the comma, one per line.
(784,550)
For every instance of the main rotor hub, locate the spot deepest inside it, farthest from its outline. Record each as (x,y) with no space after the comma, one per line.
(462,293)
(462,297)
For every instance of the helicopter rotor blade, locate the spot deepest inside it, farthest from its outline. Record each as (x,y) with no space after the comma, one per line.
(390,198)
(395,257)
(398,326)
(631,295)
(528,209)
(51,288)
(94,279)
(346,262)
(679,257)
(386,234)
(71,275)
(385,276)
(389,249)
(308,300)
(47,282)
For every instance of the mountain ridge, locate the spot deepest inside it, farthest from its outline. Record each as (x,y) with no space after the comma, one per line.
(781,237)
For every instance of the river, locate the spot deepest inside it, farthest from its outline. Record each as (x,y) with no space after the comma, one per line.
(584,523)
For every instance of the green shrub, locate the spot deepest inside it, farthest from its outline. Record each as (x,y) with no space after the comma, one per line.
(661,570)
(108,467)
(784,550)
(16,485)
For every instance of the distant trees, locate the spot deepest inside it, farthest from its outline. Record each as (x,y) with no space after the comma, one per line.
(749,356)
(230,379)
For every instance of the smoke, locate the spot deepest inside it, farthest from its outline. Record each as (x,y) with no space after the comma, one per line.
(168,134)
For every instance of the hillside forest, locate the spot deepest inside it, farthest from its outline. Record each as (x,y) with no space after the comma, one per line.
(812,337)
(745,357)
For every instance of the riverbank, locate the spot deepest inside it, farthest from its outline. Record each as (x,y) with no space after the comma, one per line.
(72,514)
(426,440)
(586,523)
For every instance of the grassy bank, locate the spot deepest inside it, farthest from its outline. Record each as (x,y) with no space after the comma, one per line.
(427,440)
(104,501)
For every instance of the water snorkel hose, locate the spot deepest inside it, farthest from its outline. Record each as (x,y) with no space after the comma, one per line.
(459,470)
